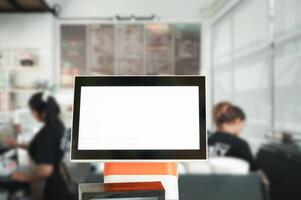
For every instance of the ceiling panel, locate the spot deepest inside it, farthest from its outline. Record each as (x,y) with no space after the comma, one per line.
(6,5)
(24,6)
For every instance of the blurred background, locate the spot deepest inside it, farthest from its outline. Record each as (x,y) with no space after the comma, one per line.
(249,51)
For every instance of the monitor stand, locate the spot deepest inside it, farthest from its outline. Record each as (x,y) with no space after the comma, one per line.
(166,173)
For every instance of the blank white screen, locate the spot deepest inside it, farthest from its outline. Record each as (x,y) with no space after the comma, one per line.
(139,117)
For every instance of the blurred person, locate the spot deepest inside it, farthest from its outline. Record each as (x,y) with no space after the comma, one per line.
(45,149)
(230,121)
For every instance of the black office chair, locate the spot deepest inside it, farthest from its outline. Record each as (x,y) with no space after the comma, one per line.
(282,164)
(221,187)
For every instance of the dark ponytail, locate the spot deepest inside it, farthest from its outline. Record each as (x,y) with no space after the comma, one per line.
(218,109)
(229,114)
(45,104)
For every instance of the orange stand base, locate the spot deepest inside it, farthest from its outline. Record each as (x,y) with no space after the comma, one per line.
(166,173)
(140,169)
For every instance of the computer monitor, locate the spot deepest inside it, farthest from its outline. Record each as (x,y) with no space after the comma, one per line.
(139,118)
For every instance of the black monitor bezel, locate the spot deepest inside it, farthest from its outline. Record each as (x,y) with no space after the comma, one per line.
(82,155)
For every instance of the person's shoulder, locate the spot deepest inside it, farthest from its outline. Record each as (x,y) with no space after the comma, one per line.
(57,127)
(228,137)
(220,135)
(213,136)
(61,126)
(242,142)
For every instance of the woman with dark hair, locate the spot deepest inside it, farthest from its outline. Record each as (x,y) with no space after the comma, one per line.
(230,121)
(45,149)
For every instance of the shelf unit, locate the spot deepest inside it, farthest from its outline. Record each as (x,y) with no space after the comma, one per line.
(10,66)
